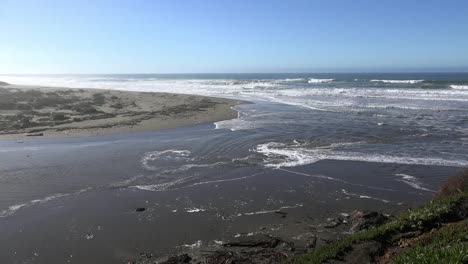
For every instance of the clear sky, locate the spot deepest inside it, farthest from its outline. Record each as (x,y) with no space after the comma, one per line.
(179,36)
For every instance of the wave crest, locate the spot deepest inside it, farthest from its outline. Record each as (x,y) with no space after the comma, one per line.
(459,87)
(398,81)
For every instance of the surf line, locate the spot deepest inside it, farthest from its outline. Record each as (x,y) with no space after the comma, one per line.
(338,180)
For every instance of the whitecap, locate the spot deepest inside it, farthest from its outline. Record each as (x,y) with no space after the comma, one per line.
(399,81)
(459,87)
(312,80)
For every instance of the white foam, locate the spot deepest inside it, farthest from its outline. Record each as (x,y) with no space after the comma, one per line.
(459,87)
(278,155)
(197,244)
(335,179)
(195,210)
(296,80)
(224,180)
(361,196)
(169,154)
(272,211)
(160,186)
(165,186)
(312,80)
(399,81)
(413,182)
(14,208)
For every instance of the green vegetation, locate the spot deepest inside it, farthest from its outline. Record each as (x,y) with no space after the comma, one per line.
(446,245)
(424,218)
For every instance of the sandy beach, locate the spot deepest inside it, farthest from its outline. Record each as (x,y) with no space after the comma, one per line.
(33,111)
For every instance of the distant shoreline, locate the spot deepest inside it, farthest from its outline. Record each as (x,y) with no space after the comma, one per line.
(34,111)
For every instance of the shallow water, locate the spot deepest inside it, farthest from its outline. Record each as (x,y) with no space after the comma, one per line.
(312,146)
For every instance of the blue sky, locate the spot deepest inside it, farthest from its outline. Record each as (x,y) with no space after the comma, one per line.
(179,36)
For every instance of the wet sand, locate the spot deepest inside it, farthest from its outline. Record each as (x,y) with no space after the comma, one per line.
(27,111)
(92,215)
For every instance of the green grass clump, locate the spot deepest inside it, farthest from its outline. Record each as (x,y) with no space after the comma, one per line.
(446,245)
(423,218)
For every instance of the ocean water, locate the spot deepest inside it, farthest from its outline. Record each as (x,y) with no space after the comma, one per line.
(308,144)
(402,118)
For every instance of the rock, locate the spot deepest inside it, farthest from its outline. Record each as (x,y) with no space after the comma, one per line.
(282,214)
(140,209)
(4,83)
(261,241)
(184,258)
(332,223)
(35,135)
(362,220)
(222,257)
(261,256)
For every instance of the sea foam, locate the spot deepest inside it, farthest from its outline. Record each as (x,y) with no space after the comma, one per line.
(459,87)
(399,81)
(278,155)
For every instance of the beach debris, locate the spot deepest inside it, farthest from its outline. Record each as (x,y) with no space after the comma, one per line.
(89,236)
(140,209)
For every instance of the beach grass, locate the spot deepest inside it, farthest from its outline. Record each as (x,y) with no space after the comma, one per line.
(431,216)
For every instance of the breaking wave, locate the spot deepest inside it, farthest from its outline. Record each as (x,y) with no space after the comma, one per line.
(399,81)
(459,87)
(320,80)
(279,155)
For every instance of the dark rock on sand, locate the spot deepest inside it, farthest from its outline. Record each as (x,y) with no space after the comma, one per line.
(184,258)
(332,223)
(256,241)
(362,220)
(262,256)
(140,209)
(35,135)
(254,249)
(282,214)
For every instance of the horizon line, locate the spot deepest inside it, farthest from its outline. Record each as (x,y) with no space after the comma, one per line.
(244,73)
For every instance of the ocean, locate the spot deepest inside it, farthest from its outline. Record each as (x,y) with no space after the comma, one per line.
(312,145)
(397,118)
